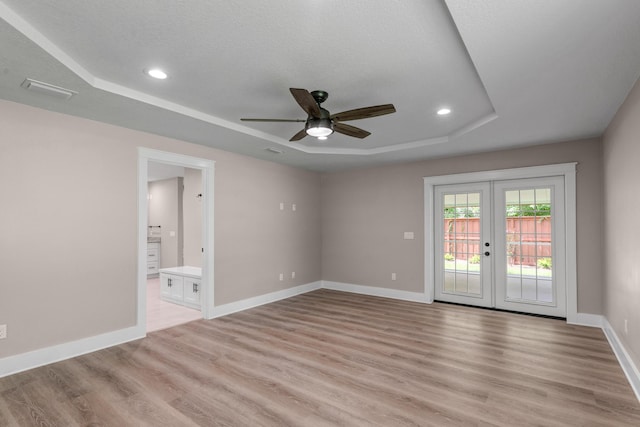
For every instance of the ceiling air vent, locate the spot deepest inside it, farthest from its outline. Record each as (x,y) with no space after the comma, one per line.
(48,89)
(274,150)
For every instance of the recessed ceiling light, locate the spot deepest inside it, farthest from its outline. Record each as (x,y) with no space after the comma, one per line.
(444,111)
(156,73)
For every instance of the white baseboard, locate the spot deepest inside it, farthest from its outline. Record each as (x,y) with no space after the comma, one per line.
(630,369)
(245,304)
(375,291)
(585,319)
(44,356)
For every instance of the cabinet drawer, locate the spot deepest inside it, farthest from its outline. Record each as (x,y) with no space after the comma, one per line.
(152,267)
(152,254)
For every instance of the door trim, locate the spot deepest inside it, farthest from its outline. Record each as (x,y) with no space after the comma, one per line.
(568,170)
(146,155)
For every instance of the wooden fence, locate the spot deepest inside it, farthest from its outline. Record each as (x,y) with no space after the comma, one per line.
(528,238)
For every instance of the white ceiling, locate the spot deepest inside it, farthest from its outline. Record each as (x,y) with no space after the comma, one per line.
(514,72)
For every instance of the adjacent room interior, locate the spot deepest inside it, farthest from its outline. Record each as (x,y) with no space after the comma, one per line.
(418,213)
(174,244)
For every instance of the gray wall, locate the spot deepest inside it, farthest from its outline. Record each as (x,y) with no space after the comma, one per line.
(69,226)
(365,212)
(621,254)
(192,217)
(165,210)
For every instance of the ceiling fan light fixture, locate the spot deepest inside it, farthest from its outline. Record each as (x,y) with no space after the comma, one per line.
(323,138)
(444,111)
(319,127)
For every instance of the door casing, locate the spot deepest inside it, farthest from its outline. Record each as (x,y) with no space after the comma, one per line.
(146,155)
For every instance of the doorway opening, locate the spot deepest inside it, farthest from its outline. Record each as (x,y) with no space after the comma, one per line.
(175,239)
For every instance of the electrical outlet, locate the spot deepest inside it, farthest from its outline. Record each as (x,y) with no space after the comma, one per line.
(281,277)
(293,207)
(626,327)
(3,332)
(393,276)
(293,274)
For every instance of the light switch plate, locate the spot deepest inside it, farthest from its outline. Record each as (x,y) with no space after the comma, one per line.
(3,332)
(408,235)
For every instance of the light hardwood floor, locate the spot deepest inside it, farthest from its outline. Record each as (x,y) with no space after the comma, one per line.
(162,314)
(329,358)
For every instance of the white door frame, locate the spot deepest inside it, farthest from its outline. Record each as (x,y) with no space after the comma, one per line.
(567,170)
(146,155)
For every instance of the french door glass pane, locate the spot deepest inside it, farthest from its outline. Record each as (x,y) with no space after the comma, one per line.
(528,245)
(461,213)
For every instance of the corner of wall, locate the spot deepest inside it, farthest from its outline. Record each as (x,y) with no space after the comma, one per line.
(624,358)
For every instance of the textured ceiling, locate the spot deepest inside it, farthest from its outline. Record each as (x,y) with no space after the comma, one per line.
(514,72)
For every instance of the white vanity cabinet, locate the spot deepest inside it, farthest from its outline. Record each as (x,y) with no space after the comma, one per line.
(181,285)
(171,287)
(153,258)
(192,292)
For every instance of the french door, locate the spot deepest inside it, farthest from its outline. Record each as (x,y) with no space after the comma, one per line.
(463,270)
(502,244)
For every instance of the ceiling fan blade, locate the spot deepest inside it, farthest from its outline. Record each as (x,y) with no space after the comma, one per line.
(274,120)
(364,113)
(350,130)
(298,136)
(306,101)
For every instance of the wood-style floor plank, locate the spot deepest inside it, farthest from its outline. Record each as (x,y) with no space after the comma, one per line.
(329,358)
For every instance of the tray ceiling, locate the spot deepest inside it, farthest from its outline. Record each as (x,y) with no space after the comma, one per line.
(513,72)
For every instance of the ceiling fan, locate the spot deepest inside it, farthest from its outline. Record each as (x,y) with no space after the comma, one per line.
(320,123)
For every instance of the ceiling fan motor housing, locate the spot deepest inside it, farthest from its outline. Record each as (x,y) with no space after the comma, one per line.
(319,126)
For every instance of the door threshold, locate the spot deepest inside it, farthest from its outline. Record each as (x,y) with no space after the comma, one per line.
(503,310)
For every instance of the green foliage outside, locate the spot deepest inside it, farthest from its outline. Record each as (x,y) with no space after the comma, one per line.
(543,209)
(470,212)
(474,259)
(529,210)
(449,257)
(544,263)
